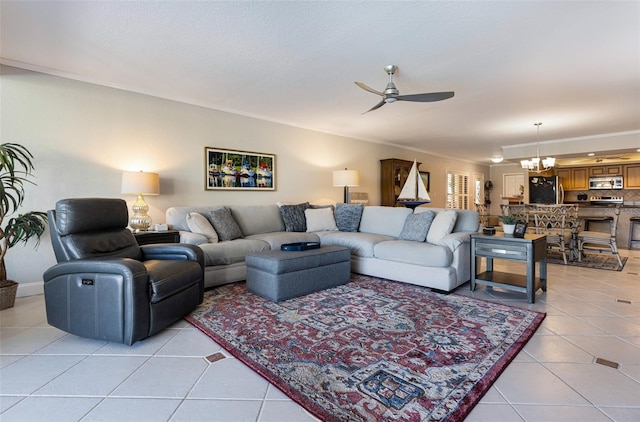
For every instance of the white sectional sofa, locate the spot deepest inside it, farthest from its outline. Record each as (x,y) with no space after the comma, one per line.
(378,248)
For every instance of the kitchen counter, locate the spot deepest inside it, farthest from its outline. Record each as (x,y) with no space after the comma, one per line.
(587,204)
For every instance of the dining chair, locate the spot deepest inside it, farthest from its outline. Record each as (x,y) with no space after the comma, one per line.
(483,215)
(550,220)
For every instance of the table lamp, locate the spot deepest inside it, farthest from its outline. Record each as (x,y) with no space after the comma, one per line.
(140,183)
(346,178)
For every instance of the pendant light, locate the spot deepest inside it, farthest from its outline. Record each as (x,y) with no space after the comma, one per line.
(535,164)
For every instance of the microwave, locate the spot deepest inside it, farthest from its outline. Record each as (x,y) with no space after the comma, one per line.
(606,182)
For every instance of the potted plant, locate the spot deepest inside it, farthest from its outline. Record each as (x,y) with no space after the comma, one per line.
(15,168)
(508,223)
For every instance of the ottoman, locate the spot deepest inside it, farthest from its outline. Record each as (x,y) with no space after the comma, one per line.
(281,275)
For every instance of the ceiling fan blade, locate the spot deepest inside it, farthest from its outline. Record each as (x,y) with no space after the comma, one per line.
(366,88)
(375,107)
(425,98)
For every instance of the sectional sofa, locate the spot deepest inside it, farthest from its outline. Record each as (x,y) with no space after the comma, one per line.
(429,246)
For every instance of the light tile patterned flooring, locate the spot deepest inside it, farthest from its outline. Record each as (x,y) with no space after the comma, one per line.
(47,375)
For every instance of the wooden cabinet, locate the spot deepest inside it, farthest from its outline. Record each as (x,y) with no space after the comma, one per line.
(579,178)
(614,170)
(632,176)
(574,178)
(565,178)
(393,174)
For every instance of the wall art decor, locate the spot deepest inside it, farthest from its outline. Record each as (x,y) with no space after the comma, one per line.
(425,178)
(239,170)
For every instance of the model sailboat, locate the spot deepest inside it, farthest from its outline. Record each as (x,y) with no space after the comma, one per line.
(413,193)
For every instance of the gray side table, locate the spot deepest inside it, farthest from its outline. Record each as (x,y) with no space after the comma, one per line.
(530,249)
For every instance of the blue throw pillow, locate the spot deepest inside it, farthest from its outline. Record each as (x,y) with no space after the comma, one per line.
(348,216)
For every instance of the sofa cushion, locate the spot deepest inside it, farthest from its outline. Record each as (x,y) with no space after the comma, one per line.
(361,244)
(293,217)
(416,226)
(441,226)
(419,253)
(256,219)
(466,220)
(224,224)
(199,224)
(348,216)
(193,238)
(232,251)
(383,220)
(320,219)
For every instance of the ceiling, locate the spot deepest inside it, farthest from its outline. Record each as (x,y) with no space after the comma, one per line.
(574,66)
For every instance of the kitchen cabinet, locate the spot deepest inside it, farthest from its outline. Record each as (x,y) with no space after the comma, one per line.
(574,178)
(580,178)
(565,178)
(632,176)
(393,174)
(614,170)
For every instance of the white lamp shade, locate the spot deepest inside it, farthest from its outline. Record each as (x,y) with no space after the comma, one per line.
(140,183)
(346,178)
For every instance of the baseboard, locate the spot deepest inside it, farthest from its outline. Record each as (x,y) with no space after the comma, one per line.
(30,289)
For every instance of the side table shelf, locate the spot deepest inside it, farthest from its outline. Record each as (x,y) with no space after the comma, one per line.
(150,237)
(530,249)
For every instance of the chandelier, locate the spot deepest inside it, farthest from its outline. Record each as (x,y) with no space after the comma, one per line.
(536,164)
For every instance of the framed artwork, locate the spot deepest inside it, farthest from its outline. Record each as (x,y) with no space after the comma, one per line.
(425,179)
(520,230)
(238,170)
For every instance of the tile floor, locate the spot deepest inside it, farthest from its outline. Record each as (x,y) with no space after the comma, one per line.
(47,375)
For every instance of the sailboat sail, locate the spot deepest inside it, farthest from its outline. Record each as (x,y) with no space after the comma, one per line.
(414,189)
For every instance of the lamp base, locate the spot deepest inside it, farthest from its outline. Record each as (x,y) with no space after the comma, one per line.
(140,221)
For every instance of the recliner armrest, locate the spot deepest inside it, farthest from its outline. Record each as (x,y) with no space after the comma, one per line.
(126,267)
(165,251)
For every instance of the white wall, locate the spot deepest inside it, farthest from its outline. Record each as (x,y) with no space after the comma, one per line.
(83,136)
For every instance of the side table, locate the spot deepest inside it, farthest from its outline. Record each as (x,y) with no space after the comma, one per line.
(530,249)
(149,237)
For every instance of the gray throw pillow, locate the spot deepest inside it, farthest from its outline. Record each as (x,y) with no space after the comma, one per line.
(224,224)
(294,218)
(416,226)
(348,216)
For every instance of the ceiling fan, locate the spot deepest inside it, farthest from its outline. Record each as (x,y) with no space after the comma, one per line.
(391,93)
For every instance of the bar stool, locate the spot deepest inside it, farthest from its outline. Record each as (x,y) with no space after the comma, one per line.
(601,242)
(632,224)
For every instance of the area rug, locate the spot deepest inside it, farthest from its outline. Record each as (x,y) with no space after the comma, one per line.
(373,349)
(591,260)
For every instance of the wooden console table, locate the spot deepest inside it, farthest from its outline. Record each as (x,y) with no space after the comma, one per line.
(530,249)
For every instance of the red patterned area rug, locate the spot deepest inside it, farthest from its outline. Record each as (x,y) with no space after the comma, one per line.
(371,350)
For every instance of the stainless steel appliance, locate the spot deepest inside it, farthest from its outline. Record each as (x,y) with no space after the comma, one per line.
(606,182)
(606,200)
(545,190)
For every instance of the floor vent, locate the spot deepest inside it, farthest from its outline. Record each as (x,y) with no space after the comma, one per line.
(623,301)
(608,363)
(214,357)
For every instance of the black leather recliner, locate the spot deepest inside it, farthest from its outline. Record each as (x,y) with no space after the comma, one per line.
(107,287)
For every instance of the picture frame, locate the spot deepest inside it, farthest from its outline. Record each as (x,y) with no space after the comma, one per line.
(226,169)
(520,230)
(425,178)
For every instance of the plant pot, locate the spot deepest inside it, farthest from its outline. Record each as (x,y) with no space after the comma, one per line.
(8,290)
(508,228)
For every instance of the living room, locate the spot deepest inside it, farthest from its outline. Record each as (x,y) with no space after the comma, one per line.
(84,134)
